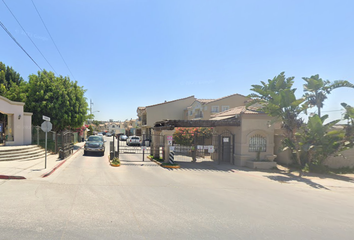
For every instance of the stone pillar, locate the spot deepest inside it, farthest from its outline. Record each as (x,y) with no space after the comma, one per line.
(156,144)
(166,147)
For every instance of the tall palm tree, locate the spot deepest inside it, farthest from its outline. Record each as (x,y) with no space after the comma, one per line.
(316,90)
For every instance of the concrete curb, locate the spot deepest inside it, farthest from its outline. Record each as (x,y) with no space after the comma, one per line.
(11,177)
(162,164)
(55,168)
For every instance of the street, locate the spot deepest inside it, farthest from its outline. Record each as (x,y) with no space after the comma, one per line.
(88,199)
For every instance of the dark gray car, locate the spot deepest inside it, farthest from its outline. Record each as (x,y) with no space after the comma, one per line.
(94,144)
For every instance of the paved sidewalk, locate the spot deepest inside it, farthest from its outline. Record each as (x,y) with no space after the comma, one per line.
(343,182)
(31,169)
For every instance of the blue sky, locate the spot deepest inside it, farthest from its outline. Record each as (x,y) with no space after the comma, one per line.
(130,53)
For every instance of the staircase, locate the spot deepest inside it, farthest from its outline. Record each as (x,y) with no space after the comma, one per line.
(23,153)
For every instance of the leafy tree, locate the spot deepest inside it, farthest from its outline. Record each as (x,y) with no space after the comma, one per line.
(278,100)
(312,142)
(8,75)
(318,140)
(58,98)
(89,133)
(12,85)
(96,122)
(186,136)
(316,90)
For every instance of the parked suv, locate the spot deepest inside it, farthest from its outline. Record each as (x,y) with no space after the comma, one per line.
(94,143)
(133,140)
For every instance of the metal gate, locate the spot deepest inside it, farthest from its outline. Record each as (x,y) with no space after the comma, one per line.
(198,150)
(137,145)
(225,147)
(65,143)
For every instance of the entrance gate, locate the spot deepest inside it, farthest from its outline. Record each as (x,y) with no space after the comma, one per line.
(140,146)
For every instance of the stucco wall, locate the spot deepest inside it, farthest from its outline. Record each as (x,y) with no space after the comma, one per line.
(232,101)
(339,162)
(173,110)
(252,124)
(14,110)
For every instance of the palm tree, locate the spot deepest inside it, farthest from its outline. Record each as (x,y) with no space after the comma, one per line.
(316,90)
(279,101)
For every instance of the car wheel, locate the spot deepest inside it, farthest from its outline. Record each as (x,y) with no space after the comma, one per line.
(85,153)
(102,154)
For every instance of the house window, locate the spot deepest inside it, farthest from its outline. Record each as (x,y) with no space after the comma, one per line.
(215,109)
(224,108)
(198,114)
(257,143)
(190,113)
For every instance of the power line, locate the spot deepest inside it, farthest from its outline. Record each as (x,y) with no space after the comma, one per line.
(7,31)
(52,39)
(28,36)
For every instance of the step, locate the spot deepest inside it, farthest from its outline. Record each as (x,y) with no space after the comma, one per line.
(21,155)
(23,158)
(29,152)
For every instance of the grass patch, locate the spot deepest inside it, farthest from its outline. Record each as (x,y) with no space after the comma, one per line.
(115,161)
(155,158)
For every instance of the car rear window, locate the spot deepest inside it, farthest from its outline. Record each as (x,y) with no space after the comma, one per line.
(135,138)
(94,138)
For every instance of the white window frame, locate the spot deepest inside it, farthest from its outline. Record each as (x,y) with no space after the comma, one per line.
(213,109)
(225,108)
(257,143)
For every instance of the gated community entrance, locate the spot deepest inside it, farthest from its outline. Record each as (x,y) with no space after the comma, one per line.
(218,146)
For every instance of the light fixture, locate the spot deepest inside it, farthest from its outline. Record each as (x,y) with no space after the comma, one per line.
(19,116)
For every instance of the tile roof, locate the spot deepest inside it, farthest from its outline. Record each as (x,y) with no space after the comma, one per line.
(237,111)
(171,101)
(205,100)
(214,100)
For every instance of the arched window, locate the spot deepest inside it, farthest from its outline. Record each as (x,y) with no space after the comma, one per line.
(257,143)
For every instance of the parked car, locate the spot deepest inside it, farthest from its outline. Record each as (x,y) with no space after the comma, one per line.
(133,140)
(94,144)
(123,138)
(108,134)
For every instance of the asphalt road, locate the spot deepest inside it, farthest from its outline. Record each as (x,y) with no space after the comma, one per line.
(88,199)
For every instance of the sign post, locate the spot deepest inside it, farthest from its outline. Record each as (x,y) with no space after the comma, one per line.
(46,127)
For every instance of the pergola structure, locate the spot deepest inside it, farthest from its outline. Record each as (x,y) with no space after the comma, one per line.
(169,125)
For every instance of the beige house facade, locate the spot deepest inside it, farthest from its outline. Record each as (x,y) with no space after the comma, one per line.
(254,142)
(147,116)
(18,127)
(204,108)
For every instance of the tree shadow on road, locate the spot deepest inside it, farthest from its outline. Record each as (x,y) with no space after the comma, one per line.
(287,178)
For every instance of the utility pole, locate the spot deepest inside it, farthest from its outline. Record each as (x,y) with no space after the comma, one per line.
(91,103)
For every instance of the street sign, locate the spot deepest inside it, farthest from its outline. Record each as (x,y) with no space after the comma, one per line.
(45,118)
(46,126)
(169,140)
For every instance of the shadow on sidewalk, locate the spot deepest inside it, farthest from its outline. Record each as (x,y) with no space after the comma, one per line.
(286,178)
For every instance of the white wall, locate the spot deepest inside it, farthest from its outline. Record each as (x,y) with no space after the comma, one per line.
(21,126)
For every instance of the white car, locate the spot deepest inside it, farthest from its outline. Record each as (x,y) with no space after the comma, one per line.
(133,140)
(108,134)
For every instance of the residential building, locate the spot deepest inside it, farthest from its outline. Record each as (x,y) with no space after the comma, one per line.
(202,109)
(147,116)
